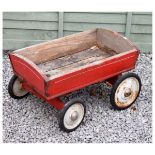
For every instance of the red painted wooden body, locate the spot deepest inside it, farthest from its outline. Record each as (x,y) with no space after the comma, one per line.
(40,85)
(37,83)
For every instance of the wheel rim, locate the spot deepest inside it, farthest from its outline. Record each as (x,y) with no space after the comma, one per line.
(18,89)
(127,92)
(73,116)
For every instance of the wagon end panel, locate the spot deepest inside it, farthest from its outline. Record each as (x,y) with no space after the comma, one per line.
(91,75)
(28,72)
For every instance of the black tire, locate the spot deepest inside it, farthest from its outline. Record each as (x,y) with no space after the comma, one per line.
(116,85)
(65,109)
(10,88)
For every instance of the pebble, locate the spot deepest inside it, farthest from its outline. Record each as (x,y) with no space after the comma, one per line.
(30,120)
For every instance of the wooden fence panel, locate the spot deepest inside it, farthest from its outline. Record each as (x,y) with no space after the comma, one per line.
(21,29)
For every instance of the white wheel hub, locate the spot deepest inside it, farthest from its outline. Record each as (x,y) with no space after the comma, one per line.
(127,92)
(18,89)
(73,116)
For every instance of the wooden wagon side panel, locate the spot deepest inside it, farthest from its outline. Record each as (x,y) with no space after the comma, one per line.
(28,72)
(94,74)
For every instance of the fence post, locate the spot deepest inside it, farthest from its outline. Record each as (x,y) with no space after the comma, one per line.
(128,24)
(60,25)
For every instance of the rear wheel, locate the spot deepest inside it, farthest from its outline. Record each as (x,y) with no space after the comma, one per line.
(15,88)
(72,115)
(125,91)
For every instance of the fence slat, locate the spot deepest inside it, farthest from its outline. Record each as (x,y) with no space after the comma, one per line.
(128,24)
(60,25)
(33,25)
(31,16)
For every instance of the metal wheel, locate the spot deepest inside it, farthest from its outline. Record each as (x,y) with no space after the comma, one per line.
(125,91)
(15,88)
(72,115)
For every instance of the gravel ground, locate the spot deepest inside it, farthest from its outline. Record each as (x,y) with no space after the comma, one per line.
(31,120)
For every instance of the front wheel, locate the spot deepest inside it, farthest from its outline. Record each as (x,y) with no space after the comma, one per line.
(125,91)
(72,115)
(15,88)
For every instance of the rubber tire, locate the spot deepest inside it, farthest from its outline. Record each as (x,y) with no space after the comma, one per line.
(63,111)
(115,86)
(10,88)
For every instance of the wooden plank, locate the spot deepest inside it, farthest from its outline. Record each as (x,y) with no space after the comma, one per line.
(112,41)
(12,44)
(97,12)
(146,38)
(66,33)
(37,25)
(145,47)
(142,13)
(94,18)
(141,29)
(59,47)
(70,59)
(85,26)
(75,66)
(60,28)
(20,34)
(142,19)
(39,16)
(128,24)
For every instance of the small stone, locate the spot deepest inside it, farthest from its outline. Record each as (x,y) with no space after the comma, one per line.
(32,120)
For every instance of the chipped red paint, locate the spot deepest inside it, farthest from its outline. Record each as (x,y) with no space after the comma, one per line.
(50,90)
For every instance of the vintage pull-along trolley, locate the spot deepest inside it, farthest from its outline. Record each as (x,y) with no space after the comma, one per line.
(54,68)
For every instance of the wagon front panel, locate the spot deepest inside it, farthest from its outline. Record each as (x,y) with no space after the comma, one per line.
(28,72)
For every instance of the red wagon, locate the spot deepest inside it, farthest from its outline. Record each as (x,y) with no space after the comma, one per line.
(54,68)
